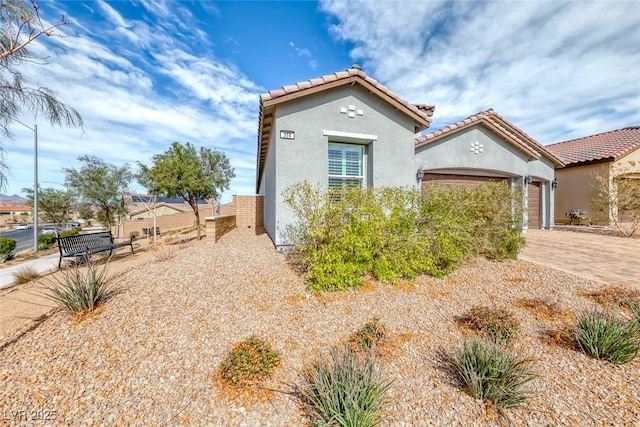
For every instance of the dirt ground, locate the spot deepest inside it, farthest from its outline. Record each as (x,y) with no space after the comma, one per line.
(23,307)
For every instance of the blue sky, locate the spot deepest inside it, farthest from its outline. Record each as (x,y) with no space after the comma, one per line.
(146,73)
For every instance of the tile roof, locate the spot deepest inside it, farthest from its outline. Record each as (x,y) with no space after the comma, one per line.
(421,113)
(498,125)
(607,145)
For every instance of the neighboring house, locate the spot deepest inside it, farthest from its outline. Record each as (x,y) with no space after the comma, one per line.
(613,153)
(15,213)
(342,128)
(141,206)
(486,147)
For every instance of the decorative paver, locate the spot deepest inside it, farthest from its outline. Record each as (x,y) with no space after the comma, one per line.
(606,259)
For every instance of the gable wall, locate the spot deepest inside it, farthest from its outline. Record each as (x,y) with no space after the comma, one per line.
(389,158)
(453,152)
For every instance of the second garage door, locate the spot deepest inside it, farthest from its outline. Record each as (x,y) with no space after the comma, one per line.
(534,205)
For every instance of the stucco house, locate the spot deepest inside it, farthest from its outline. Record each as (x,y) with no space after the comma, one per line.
(345,127)
(486,147)
(615,153)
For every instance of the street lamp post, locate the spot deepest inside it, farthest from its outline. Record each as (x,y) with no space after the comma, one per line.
(34,129)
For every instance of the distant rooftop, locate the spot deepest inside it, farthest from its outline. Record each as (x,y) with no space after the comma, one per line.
(607,145)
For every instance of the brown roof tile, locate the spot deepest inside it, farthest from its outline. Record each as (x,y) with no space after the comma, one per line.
(499,125)
(607,145)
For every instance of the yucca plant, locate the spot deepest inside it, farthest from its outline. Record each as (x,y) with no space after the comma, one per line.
(344,389)
(603,335)
(24,275)
(634,307)
(492,373)
(80,289)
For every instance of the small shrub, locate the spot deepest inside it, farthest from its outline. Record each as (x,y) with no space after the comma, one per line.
(77,290)
(70,232)
(343,390)
(613,296)
(45,241)
(602,335)
(498,324)
(134,235)
(250,361)
(491,373)
(7,246)
(24,275)
(367,338)
(162,252)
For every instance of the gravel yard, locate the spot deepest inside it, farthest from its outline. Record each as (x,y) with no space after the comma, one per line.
(148,356)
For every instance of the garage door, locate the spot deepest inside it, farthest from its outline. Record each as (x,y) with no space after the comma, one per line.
(450,179)
(534,205)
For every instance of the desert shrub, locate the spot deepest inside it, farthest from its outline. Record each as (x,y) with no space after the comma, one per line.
(393,233)
(134,235)
(344,389)
(603,335)
(45,241)
(367,338)
(7,246)
(79,289)
(25,274)
(250,361)
(70,232)
(491,373)
(498,324)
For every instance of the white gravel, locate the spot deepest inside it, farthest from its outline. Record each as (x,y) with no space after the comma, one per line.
(148,356)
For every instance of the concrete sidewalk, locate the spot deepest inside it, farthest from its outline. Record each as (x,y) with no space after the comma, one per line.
(42,265)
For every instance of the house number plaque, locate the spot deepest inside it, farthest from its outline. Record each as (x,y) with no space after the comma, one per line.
(287,134)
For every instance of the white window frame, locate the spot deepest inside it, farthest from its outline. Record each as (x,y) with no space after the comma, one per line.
(344,176)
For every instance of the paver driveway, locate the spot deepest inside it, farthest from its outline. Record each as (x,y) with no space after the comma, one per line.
(606,259)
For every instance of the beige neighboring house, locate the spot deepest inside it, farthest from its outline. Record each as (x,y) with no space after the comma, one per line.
(13,214)
(615,153)
(142,206)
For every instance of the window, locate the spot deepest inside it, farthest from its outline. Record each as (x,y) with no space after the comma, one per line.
(346,165)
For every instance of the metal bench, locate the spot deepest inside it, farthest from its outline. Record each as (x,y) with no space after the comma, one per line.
(87,244)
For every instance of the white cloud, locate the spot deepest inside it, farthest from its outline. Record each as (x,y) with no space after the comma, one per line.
(558,70)
(137,95)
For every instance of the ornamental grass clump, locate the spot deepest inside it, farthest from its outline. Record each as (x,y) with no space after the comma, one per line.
(80,288)
(249,362)
(24,275)
(603,335)
(498,324)
(344,389)
(492,373)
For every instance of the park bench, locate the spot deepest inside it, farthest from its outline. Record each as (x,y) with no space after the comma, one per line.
(83,245)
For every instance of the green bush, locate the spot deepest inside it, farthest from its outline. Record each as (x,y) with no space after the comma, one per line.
(394,233)
(498,324)
(134,235)
(367,338)
(45,241)
(491,373)
(602,335)
(250,361)
(77,290)
(70,232)
(7,246)
(344,390)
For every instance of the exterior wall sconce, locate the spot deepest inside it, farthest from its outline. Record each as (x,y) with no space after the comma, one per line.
(421,172)
(527,179)
(554,183)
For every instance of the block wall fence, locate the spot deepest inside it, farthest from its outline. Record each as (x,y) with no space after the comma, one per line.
(246,213)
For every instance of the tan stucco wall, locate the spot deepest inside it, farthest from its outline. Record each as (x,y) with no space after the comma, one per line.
(631,160)
(576,188)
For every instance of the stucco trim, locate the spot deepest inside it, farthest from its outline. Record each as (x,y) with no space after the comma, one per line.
(351,135)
